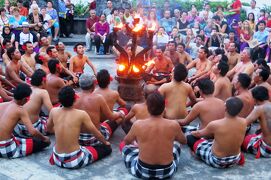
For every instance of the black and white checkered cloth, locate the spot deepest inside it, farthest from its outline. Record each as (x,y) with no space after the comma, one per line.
(203,150)
(188,129)
(86,139)
(130,155)
(255,144)
(76,159)
(20,130)
(16,147)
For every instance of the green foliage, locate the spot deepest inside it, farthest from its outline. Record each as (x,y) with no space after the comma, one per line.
(243,15)
(80,9)
(12,3)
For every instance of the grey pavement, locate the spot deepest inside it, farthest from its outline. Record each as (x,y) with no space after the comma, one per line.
(37,165)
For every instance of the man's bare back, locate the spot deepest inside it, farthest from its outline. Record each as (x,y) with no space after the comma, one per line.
(248,102)
(223,88)
(54,84)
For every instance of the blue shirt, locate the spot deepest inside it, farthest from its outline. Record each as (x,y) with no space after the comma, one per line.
(16,23)
(168,24)
(261,36)
(61,8)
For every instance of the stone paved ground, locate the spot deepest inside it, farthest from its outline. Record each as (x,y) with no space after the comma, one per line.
(37,166)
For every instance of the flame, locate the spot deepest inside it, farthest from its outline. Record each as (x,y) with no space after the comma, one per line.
(149,63)
(119,26)
(121,67)
(138,27)
(135,69)
(153,26)
(137,16)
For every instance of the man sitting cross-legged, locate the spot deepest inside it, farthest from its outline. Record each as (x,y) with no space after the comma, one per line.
(260,144)
(66,123)
(38,98)
(176,93)
(207,110)
(158,152)
(228,133)
(10,114)
(95,105)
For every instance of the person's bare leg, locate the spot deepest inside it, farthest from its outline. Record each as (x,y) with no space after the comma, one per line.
(56,33)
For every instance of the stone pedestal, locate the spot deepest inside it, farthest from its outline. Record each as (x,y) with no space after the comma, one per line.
(130,89)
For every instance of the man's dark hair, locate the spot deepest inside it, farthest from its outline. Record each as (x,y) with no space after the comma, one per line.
(27,42)
(206,86)
(200,36)
(206,50)
(10,52)
(103,78)
(261,22)
(52,65)
(216,17)
(224,58)
(180,73)
(76,45)
(264,73)
(37,59)
(172,42)
(155,104)
(260,93)
(22,91)
(162,48)
(37,77)
(234,105)
(49,49)
(66,96)
(244,80)
(181,44)
(5,41)
(223,67)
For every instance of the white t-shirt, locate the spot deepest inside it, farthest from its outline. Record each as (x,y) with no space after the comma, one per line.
(26,37)
(46,18)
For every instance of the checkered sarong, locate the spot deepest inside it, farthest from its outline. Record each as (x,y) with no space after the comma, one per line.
(20,130)
(16,147)
(255,144)
(76,159)
(130,155)
(203,149)
(188,129)
(86,139)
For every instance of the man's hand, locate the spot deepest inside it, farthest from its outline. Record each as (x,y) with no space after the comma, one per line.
(47,140)
(107,143)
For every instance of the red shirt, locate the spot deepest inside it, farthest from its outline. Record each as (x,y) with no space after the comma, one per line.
(90,22)
(268,24)
(236,4)
(23,11)
(92,5)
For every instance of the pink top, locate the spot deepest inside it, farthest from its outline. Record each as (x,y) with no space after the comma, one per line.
(101,28)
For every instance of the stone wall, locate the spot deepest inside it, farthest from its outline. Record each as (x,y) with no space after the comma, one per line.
(101,4)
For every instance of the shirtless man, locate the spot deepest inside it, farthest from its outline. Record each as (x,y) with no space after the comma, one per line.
(242,92)
(260,78)
(111,97)
(223,86)
(228,133)
(159,72)
(260,144)
(202,64)
(185,58)
(29,55)
(44,43)
(42,62)
(205,108)
(63,56)
(173,54)
(66,123)
(245,66)
(158,153)
(95,105)
(138,111)
(4,96)
(38,98)
(15,66)
(10,114)
(54,82)
(77,62)
(233,56)
(6,45)
(176,93)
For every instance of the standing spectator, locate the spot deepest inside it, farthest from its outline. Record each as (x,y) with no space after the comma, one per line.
(23,10)
(35,20)
(109,8)
(101,34)
(47,23)
(69,17)
(3,18)
(90,26)
(92,4)
(167,22)
(252,9)
(236,8)
(53,13)
(62,18)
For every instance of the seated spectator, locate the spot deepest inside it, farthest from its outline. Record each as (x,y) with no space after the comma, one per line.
(53,13)
(90,26)
(193,16)
(251,20)
(4,20)
(23,10)
(36,21)
(47,23)
(182,23)
(113,19)
(215,40)
(246,35)
(101,35)
(16,21)
(7,35)
(161,38)
(167,22)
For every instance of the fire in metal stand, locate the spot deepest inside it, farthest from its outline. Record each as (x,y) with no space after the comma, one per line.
(129,72)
